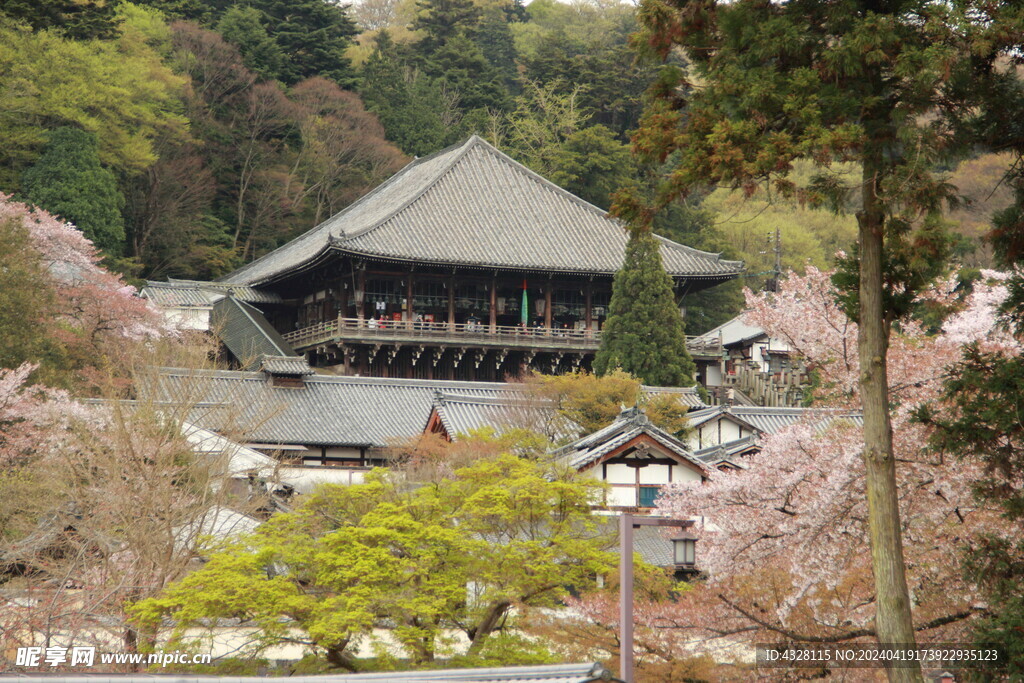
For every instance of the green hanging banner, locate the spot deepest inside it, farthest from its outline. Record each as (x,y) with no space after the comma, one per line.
(525,312)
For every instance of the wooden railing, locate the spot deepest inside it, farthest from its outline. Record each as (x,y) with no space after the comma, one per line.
(398,331)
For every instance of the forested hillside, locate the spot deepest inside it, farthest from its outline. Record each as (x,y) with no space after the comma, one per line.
(186,137)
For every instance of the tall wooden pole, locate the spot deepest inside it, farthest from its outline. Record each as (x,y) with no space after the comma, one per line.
(626,598)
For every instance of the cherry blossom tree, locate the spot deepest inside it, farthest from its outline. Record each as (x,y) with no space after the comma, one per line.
(95,315)
(784,542)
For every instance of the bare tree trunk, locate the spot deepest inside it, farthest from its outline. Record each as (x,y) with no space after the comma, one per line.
(893,621)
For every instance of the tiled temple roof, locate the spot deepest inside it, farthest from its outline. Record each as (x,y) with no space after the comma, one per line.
(471,205)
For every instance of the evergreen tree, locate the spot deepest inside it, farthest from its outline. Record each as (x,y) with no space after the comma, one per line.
(313,36)
(69,181)
(592,165)
(644,332)
(443,20)
(408,103)
(497,44)
(242,27)
(462,65)
(75,19)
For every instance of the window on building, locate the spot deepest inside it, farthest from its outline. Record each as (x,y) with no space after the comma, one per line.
(646,496)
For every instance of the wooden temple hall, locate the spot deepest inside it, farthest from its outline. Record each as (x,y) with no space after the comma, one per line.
(464,265)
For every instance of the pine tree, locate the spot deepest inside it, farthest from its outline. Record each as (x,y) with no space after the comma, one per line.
(313,35)
(644,332)
(69,181)
(242,26)
(408,103)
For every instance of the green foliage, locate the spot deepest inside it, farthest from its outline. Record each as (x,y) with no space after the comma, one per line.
(119,90)
(592,402)
(27,306)
(409,104)
(443,20)
(461,65)
(985,391)
(592,164)
(242,26)
(350,556)
(312,35)
(644,332)
(75,19)
(69,182)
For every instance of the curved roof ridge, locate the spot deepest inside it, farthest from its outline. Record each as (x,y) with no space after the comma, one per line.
(328,223)
(460,150)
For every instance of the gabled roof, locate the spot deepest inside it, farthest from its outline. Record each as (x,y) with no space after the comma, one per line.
(734,331)
(285,365)
(473,206)
(769,420)
(326,411)
(729,452)
(629,425)
(245,331)
(461,413)
(176,292)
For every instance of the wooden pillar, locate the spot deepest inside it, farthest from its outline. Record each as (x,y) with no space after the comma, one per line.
(451,302)
(494,304)
(408,301)
(589,320)
(361,296)
(547,305)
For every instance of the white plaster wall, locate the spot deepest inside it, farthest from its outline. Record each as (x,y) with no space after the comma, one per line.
(684,473)
(654,474)
(622,496)
(305,479)
(619,473)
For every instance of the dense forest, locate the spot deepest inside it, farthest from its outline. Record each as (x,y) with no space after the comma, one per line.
(187,137)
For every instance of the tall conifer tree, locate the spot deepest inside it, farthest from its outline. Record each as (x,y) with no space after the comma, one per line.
(644,332)
(69,181)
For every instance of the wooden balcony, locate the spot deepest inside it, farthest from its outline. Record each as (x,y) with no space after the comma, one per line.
(479,335)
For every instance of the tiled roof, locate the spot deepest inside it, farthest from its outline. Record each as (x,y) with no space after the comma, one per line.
(629,425)
(245,331)
(768,420)
(198,293)
(471,205)
(285,365)
(240,460)
(461,413)
(688,396)
(325,411)
(727,452)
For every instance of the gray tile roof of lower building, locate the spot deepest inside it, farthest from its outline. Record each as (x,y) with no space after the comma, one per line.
(473,206)
(176,292)
(325,411)
(765,419)
(246,333)
(728,452)
(629,425)
(285,365)
(461,413)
